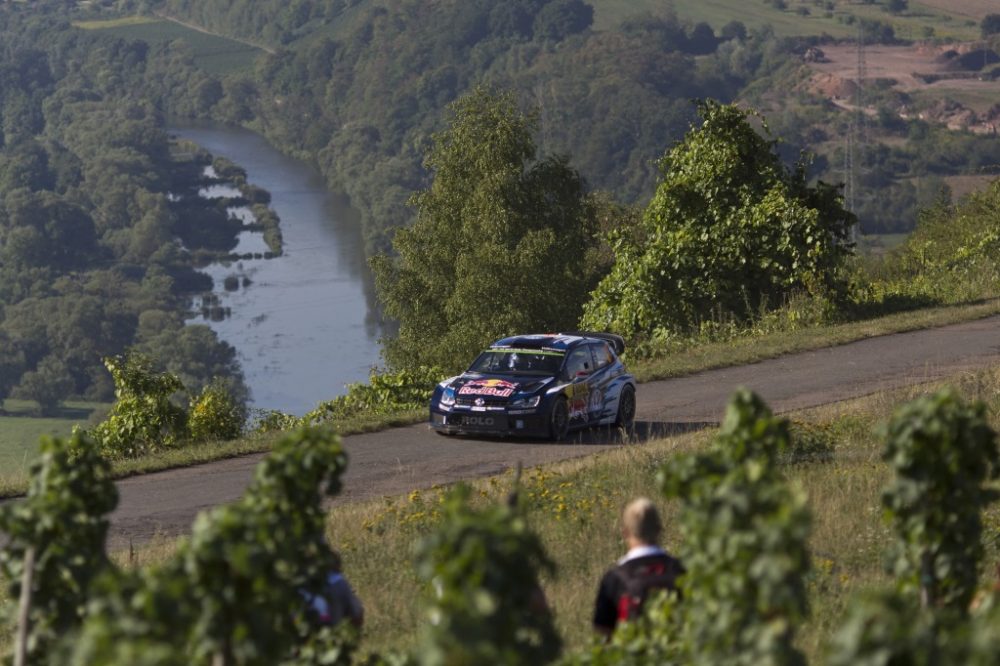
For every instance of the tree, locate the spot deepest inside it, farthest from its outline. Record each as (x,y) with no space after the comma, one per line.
(897,6)
(502,242)
(702,39)
(730,229)
(990,25)
(48,384)
(559,19)
(12,365)
(733,30)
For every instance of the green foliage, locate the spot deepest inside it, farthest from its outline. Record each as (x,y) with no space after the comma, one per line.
(48,385)
(729,228)
(385,393)
(64,521)
(87,244)
(263,421)
(744,533)
(887,629)
(143,419)
(483,567)
(502,242)
(214,414)
(951,255)
(943,452)
(233,592)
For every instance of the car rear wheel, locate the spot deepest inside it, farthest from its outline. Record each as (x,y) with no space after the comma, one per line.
(559,420)
(626,409)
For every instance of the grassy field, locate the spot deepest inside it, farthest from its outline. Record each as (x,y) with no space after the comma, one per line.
(20,429)
(216,55)
(577,502)
(800,17)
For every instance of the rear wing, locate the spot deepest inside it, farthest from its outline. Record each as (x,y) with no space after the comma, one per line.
(617,342)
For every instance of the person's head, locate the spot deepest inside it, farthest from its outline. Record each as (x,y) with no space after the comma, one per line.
(641,522)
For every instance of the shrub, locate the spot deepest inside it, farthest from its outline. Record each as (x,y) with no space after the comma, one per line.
(214,414)
(385,393)
(143,419)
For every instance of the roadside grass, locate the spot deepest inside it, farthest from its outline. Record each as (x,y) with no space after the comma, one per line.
(212,53)
(794,21)
(574,507)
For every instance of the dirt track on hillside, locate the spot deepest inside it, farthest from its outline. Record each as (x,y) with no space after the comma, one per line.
(401,459)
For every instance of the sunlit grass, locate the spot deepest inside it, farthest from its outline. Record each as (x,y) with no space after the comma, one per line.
(104,24)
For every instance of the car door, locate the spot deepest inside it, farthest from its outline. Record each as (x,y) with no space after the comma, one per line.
(577,371)
(599,381)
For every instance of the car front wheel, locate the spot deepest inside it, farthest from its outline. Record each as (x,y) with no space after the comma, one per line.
(559,420)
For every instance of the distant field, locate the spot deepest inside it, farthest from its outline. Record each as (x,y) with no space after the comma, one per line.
(216,55)
(20,429)
(962,185)
(974,9)
(954,19)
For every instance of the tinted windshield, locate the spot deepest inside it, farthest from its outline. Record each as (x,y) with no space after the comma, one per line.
(517,362)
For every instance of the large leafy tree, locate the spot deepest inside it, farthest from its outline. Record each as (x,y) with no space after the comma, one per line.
(730,228)
(502,243)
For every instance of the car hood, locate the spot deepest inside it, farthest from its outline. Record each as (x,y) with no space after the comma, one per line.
(496,386)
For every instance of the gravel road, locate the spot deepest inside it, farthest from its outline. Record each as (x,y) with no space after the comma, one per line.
(401,459)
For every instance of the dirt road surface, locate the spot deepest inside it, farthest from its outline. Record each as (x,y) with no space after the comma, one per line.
(401,459)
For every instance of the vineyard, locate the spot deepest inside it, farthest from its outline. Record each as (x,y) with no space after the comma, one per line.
(789,513)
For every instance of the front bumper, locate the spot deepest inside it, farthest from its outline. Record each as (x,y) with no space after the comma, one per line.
(494,422)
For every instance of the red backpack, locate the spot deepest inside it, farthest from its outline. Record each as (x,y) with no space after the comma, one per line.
(640,577)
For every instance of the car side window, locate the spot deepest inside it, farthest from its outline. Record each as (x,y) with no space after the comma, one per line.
(602,355)
(579,360)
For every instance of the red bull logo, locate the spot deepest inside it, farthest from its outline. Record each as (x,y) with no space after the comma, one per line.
(494,387)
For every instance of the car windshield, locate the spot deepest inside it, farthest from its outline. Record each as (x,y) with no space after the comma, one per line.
(518,362)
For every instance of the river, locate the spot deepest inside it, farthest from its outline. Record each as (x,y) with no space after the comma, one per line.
(304,326)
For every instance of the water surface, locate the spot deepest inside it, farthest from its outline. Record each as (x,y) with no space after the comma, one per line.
(305,325)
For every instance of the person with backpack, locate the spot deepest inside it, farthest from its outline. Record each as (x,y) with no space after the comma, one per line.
(645,568)
(337,601)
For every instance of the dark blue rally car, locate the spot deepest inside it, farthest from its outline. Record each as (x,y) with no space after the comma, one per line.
(538,386)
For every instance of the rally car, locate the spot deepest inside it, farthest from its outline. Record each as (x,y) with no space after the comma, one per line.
(538,386)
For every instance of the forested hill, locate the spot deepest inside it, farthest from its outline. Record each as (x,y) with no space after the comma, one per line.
(360,86)
(89,261)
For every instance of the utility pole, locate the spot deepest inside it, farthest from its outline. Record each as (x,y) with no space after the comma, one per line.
(857,134)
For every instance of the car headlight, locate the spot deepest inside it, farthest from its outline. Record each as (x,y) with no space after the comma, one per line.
(448,397)
(527,402)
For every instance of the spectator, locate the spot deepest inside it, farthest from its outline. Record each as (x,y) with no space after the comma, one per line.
(644,568)
(337,601)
